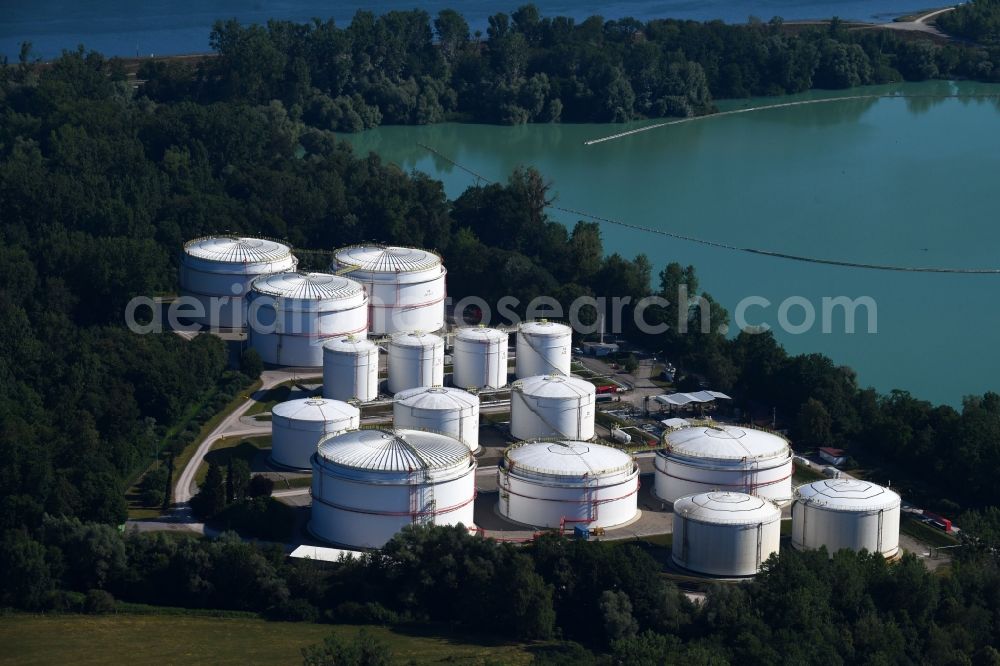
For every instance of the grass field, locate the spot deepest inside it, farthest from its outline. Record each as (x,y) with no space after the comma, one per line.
(224,450)
(159,639)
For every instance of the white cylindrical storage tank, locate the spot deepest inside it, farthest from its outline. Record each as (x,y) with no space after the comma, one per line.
(480,358)
(553,484)
(350,369)
(543,348)
(552,406)
(369,484)
(217,272)
(448,411)
(291,315)
(846,513)
(406,285)
(705,457)
(725,534)
(415,359)
(298,425)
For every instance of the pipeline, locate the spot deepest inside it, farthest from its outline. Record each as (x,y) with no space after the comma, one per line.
(785,105)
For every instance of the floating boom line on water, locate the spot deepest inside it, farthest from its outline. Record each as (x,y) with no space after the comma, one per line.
(724,246)
(785,105)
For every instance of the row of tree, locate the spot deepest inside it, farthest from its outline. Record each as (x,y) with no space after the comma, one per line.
(402,67)
(804,608)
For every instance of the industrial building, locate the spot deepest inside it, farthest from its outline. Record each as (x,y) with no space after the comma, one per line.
(449,411)
(552,406)
(725,533)
(406,286)
(480,358)
(846,513)
(217,272)
(552,484)
(291,315)
(543,348)
(350,369)
(369,484)
(415,359)
(298,425)
(709,456)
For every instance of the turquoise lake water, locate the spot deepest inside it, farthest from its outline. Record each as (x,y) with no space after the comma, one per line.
(910,182)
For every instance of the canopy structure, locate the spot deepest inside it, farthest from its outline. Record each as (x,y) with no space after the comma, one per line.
(675,423)
(681,399)
(323,554)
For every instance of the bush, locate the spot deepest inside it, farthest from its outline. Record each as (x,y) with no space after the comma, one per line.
(294,610)
(353,612)
(260,486)
(98,602)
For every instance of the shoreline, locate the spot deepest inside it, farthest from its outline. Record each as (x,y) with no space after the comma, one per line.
(914,22)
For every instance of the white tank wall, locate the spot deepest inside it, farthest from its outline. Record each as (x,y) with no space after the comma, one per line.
(291,331)
(480,358)
(724,549)
(419,363)
(367,511)
(406,286)
(460,421)
(221,286)
(608,502)
(676,477)
(876,531)
(293,441)
(543,348)
(570,417)
(350,369)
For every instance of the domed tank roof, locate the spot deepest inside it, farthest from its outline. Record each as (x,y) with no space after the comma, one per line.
(416,339)
(308,286)
(555,386)
(481,334)
(350,344)
(726,508)
(237,249)
(437,398)
(386,259)
(725,442)
(567,458)
(394,450)
(545,327)
(314,409)
(847,495)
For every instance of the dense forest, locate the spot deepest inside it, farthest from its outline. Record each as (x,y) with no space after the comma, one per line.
(600,603)
(100,184)
(405,68)
(977,21)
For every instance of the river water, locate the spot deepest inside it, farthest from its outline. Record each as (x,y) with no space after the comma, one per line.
(909,182)
(162,27)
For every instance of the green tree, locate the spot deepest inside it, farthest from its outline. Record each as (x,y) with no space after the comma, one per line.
(814,424)
(251,364)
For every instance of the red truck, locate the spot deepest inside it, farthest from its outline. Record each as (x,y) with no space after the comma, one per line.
(607,388)
(937,521)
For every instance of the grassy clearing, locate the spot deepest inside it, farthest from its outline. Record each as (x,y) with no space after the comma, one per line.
(228,448)
(802,474)
(270,398)
(281,393)
(30,640)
